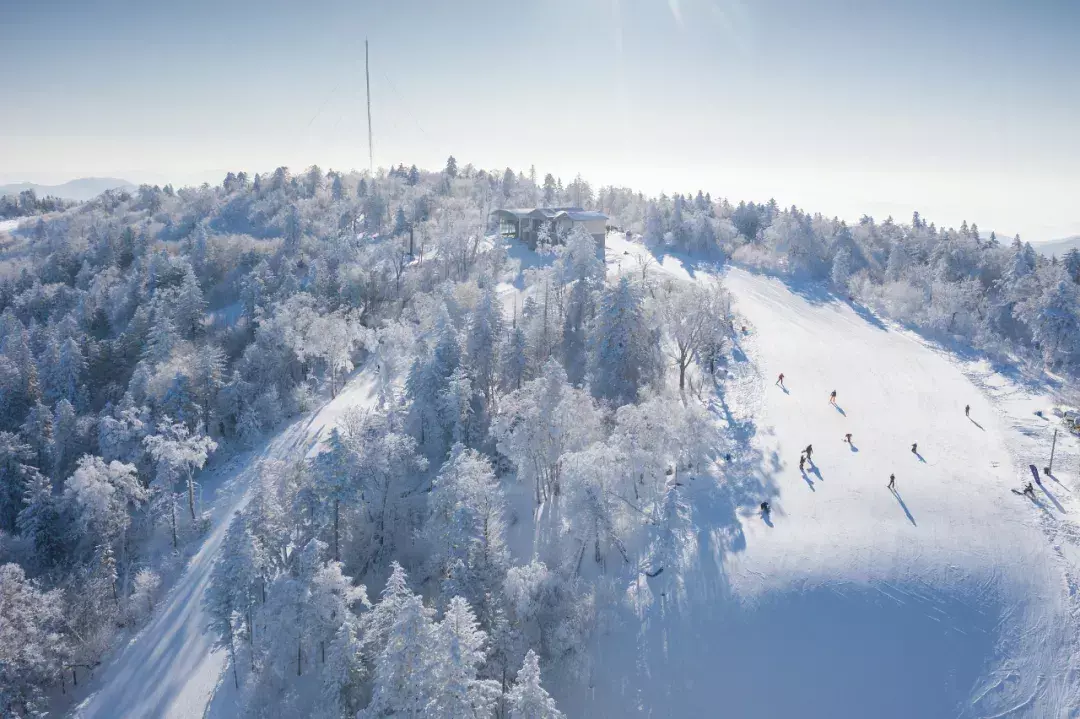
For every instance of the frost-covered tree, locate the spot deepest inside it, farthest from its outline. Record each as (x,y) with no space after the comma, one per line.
(483,342)
(208,377)
(33,648)
(403,682)
(335,481)
(528,699)
(190,307)
(1054,317)
(40,521)
(625,349)
(539,423)
(100,498)
(467,528)
(162,338)
(515,360)
(426,385)
(16,474)
(841,269)
(693,315)
(178,454)
(456,653)
(144,587)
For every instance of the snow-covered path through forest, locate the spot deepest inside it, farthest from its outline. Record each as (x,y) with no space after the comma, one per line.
(951,597)
(170,669)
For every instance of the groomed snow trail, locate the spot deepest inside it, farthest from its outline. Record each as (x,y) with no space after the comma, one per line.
(951,597)
(170,669)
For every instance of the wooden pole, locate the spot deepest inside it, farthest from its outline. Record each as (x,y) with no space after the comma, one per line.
(1053,445)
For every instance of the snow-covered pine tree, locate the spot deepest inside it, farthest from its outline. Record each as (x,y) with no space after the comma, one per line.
(190,308)
(625,350)
(483,342)
(457,651)
(528,699)
(403,683)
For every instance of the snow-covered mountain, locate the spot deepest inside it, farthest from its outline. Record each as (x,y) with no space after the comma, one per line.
(1058,247)
(83,188)
(949,596)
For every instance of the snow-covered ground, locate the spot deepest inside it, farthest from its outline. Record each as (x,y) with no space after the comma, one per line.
(9,225)
(171,669)
(951,597)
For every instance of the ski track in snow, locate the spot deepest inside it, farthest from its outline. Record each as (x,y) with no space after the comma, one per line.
(171,669)
(951,597)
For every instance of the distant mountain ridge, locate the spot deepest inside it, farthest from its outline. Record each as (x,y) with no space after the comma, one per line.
(1058,247)
(84,188)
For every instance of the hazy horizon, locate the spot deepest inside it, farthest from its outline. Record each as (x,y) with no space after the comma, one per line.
(960,109)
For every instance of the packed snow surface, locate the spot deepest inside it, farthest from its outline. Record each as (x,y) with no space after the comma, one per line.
(948,597)
(171,668)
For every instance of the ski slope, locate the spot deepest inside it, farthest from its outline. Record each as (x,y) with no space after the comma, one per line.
(951,597)
(171,669)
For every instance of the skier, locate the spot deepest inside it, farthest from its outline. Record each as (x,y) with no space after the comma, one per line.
(780,379)
(764,507)
(892,482)
(967,410)
(914,447)
(1029,490)
(832,397)
(809,451)
(847,437)
(802,462)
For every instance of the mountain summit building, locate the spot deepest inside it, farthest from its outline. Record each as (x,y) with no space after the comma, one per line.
(524,224)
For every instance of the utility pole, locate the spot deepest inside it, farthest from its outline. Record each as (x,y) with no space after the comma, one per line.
(367,80)
(1053,445)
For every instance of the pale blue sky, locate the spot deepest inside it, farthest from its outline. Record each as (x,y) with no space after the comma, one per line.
(959,108)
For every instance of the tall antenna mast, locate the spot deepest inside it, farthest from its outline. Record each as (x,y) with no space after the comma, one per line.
(367,79)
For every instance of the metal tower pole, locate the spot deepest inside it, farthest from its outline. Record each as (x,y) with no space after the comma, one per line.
(367,80)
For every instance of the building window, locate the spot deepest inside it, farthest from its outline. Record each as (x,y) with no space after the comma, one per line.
(508,228)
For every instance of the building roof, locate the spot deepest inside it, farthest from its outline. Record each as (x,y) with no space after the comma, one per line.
(582,215)
(550,213)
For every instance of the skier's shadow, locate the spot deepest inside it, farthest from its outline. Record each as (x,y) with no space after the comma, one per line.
(786,390)
(903,506)
(816,472)
(977,424)
(852,447)
(840,409)
(765,517)
(920,457)
(809,482)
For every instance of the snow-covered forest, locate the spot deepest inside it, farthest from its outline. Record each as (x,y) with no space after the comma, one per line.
(450,551)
